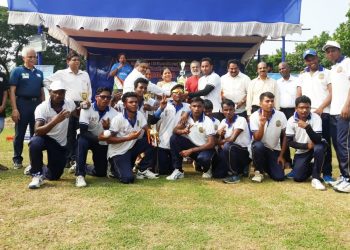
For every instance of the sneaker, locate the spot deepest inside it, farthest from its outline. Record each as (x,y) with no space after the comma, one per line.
(317,184)
(80,181)
(17,165)
(343,187)
(258,177)
(232,179)
(207,175)
(73,167)
(176,174)
(27,170)
(337,182)
(328,179)
(290,175)
(147,174)
(36,182)
(3,168)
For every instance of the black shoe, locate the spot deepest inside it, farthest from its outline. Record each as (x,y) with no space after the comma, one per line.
(3,168)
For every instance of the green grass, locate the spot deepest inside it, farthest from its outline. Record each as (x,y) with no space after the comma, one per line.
(158,214)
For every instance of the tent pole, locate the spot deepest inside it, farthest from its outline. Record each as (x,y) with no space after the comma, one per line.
(40,58)
(283,48)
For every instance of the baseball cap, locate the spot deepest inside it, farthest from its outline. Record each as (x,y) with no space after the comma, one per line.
(311,52)
(330,44)
(57,85)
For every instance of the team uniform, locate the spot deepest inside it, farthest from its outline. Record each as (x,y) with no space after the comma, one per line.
(299,139)
(315,86)
(123,155)
(199,133)
(236,154)
(168,119)
(90,122)
(340,78)
(266,151)
(54,142)
(258,86)
(235,89)
(215,95)
(29,84)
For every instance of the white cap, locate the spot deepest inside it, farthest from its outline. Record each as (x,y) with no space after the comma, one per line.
(330,44)
(57,85)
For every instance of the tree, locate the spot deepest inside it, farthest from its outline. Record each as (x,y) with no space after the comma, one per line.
(342,35)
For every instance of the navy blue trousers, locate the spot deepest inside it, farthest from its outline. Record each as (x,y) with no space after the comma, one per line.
(179,143)
(26,110)
(265,160)
(162,161)
(122,164)
(340,138)
(55,157)
(99,157)
(302,167)
(326,134)
(73,125)
(236,157)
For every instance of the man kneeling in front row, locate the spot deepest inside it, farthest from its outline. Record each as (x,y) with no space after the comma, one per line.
(92,122)
(51,125)
(304,133)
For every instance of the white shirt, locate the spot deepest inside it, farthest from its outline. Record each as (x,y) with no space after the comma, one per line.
(122,127)
(272,129)
(244,138)
(200,130)
(288,91)
(166,86)
(215,95)
(340,79)
(44,112)
(300,134)
(257,87)
(75,84)
(120,107)
(315,87)
(235,88)
(129,83)
(92,119)
(169,118)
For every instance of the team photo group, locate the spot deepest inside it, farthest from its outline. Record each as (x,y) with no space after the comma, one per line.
(223,125)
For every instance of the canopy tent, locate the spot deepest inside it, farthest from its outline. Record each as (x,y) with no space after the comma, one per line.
(161,29)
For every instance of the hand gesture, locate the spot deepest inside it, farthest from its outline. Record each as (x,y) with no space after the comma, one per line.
(262,118)
(187,130)
(302,124)
(61,116)
(134,135)
(163,102)
(105,123)
(221,132)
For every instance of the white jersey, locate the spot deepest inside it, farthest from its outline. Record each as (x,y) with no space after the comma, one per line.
(169,118)
(300,134)
(244,138)
(215,95)
(93,119)
(272,129)
(44,112)
(200,130)
(123,127)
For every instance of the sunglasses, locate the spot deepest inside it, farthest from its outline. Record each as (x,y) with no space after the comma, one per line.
(177,92)
(105,97)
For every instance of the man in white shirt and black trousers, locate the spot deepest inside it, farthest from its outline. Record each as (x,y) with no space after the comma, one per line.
(51,126)
(304,133)
(93,122)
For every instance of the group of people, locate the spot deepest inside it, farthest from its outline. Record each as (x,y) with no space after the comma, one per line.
(142,130)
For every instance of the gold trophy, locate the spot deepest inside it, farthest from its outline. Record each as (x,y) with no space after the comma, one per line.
(182,79)
(84,95)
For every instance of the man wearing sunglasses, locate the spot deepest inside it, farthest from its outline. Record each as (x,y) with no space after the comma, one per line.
(93,122)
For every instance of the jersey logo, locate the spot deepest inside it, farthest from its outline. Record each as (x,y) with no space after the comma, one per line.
(278,123)
(339,69)
(321,76)
(201,129)
(25,76)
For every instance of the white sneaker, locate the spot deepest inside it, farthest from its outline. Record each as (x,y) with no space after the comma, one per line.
(80,181)
(73,167)
(207,175)
(176,174)
(258,177)
(36,182)
(317,184)
(147,174)
(343,187)
(27,170)
(337,182)
(17,165)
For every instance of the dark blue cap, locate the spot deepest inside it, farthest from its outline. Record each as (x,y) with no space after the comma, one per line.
(311,52)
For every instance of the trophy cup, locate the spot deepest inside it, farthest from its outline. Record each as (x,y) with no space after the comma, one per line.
(84,95)
(182,79)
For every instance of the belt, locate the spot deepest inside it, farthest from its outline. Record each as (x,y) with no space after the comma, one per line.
(28,98)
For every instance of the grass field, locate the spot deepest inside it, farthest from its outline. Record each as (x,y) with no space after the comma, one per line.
(157,214)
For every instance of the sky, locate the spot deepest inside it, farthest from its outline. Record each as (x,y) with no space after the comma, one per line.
(316,15)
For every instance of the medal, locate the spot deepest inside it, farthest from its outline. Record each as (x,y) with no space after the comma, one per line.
(201,130)
(339,69)
(321,76)
(278,123)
